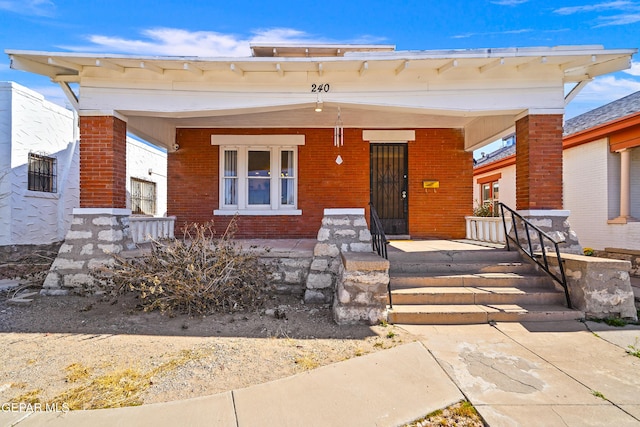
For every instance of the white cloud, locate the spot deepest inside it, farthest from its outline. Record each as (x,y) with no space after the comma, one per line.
(29,7)
(509,2)
(634,70)
(607,21)
(492,33)
(179,42)
(612,5)
(601,91)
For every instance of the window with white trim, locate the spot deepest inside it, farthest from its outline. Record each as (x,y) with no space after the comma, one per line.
(258,179)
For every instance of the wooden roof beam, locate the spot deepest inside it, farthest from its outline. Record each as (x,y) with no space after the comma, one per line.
(102,63)
(448,66)
(151,67)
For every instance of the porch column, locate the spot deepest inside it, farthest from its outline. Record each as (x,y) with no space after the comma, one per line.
(100,226)
(539,162)
(539,177)
(625,188)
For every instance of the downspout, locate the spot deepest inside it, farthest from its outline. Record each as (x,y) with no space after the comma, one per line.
(71,154)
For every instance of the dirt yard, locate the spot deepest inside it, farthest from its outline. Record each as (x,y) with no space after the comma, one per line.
(93,352)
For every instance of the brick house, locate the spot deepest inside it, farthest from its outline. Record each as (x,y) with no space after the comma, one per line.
(601,175)
(292,130)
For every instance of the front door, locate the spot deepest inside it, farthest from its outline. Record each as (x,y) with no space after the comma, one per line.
(389,186)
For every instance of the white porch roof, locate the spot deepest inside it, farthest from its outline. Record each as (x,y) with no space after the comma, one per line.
(482,91)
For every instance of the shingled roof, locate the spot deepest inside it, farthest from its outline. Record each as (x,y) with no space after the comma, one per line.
(614,110)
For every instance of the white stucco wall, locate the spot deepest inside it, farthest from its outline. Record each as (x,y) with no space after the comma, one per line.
(141,159)
(29,123)
(507,185)
(592,194)
(37,125)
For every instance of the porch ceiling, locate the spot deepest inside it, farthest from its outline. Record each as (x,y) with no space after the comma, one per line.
(479,90)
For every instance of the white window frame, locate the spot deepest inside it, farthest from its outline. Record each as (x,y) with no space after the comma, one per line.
(242,144)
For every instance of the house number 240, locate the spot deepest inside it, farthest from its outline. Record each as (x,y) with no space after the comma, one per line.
(322,87)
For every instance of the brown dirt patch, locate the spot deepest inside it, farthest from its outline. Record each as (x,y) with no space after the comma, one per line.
(56,344)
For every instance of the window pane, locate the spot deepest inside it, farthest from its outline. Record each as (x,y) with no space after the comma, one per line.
(230,191)
(287,191)
(231,163)
(496,192)
(286,164)
(259,163)
(486,193)
(259,191)
(230,181)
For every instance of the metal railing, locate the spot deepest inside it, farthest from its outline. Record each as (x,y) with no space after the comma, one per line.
(379,241)
(540,258)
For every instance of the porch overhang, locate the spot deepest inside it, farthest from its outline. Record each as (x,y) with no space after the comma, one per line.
(482,91)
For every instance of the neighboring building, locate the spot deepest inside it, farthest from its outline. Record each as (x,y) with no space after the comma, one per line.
(40,164)
(601,174)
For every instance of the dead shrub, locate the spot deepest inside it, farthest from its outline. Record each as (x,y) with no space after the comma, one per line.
(198,274)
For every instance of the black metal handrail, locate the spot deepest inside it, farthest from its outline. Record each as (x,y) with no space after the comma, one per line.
(379,241)
(544,264)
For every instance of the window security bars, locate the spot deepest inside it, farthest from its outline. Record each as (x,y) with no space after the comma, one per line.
(143,197)
(42,173)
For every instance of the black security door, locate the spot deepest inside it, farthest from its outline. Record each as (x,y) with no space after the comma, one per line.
(389,186)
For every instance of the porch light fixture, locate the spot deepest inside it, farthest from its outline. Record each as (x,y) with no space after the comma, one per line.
(318,104)
(338,132)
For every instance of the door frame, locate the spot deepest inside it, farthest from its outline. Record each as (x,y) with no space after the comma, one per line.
(405,184)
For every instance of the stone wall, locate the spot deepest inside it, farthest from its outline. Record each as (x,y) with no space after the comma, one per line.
(556,224)
(599,287)
(95,235)
(342,230)
(361,291)
(632,256)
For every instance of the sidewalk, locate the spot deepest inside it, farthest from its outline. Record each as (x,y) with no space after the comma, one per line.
(551,374)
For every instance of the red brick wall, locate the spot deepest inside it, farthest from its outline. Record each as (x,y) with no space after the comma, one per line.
(539,162)
(438,154)
(103,162)
(193,182)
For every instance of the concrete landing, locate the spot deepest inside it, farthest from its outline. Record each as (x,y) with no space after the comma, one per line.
(533,374)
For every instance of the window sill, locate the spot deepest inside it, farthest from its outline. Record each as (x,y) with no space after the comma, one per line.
(257,212)
(41,194)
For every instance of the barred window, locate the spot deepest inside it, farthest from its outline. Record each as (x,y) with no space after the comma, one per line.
(143,197)
(42,173)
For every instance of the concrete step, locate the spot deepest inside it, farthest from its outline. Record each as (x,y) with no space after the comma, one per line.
(462,267)
(410,280)
(477,313)
(454,295)
(462,256)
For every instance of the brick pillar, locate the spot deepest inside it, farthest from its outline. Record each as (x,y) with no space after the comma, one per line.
(100,227)
(539,181)
(539,162)
(103,162)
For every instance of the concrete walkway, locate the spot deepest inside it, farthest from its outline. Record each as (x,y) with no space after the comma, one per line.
(541,374)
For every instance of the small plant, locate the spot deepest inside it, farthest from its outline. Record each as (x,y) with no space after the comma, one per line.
(598,394)
(485,210)
(633,349)
(391,334)
(615,321)
(588,251)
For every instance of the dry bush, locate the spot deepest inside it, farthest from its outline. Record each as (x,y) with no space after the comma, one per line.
(199,274)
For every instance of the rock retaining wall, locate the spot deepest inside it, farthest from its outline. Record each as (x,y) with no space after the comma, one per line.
(93,237)
(361,291)
(600,287)
(342,231)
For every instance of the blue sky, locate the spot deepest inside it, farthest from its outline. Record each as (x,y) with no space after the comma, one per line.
(216,28)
